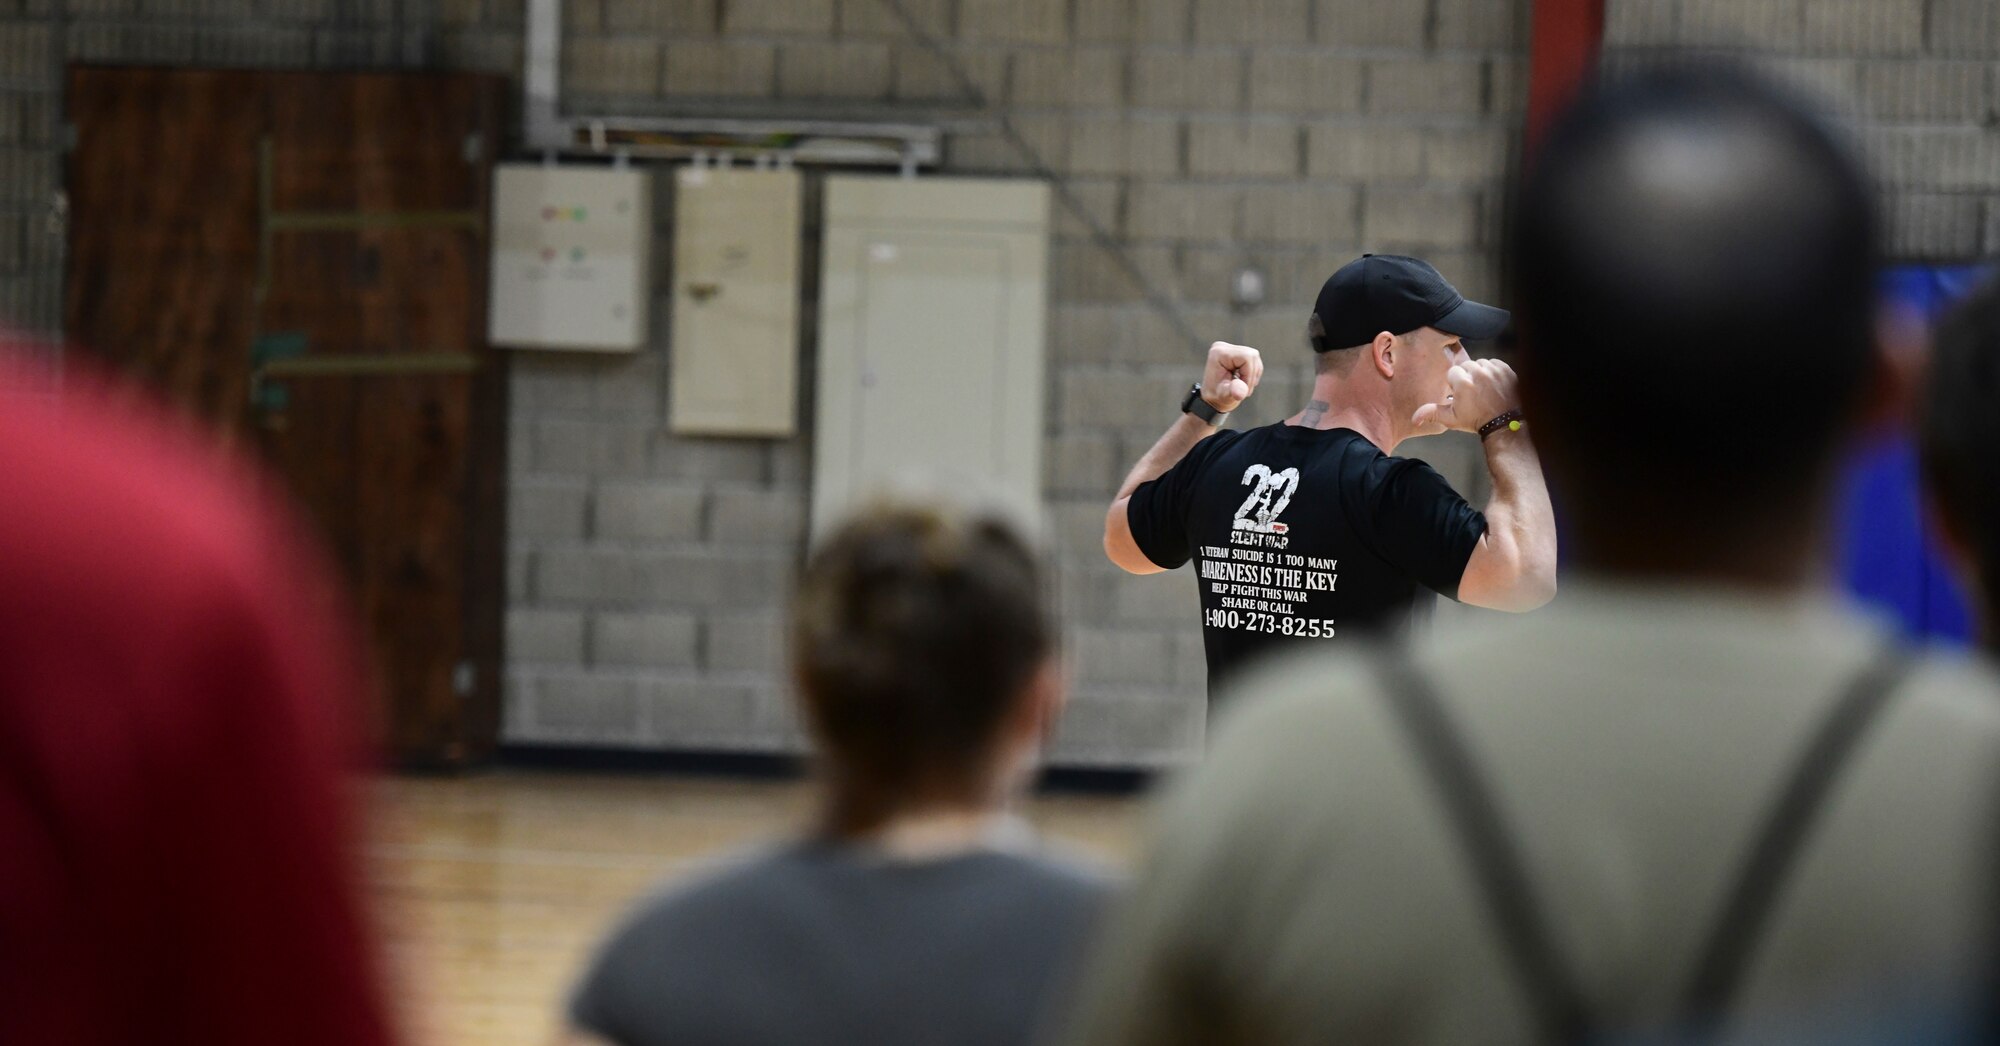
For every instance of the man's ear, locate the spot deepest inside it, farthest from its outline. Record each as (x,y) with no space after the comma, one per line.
(1383,352)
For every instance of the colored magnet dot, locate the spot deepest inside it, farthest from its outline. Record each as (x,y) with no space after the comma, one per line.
(548,214)
(576,254)
(548,254)
(580,214)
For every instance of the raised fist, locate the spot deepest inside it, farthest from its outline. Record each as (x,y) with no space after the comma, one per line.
(1231,375)
(1481,390)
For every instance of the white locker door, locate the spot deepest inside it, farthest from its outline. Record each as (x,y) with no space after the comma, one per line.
(736,303)
(933,312)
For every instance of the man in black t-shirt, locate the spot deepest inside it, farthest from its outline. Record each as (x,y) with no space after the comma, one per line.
(1308,530)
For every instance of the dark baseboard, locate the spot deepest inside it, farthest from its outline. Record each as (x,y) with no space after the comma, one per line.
(754,765)
(1095,780)
(773,767)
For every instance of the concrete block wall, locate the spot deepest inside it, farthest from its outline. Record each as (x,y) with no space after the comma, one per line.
(647,573)
(1917,81)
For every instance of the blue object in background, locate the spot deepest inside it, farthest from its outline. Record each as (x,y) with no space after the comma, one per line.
(1887,558)
(1887,555)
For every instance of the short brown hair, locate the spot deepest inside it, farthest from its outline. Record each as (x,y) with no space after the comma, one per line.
(912,633)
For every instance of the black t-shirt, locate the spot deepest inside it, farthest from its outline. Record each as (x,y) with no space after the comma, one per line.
(1301,535)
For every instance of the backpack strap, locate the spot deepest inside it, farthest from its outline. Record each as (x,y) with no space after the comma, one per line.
(1560,1012)
(1740,923)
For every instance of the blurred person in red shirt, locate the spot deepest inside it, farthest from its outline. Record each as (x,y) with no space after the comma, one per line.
(177,720)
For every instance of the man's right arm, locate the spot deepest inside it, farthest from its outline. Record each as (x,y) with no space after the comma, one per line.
(1119,543)
(1228,378)
(1514,566)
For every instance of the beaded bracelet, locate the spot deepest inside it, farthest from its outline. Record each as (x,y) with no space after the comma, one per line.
(1511,421)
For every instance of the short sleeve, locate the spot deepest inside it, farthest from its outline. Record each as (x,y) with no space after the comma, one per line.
(1159,510)
(596,1001)
(1419,524)
(644,984)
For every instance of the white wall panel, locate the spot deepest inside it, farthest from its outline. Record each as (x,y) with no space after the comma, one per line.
(736,303)
(933,312)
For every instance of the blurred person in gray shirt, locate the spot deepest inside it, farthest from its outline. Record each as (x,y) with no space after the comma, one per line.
(917,909)
(1694,799)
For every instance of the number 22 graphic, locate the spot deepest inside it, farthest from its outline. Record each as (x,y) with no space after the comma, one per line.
(1279,485)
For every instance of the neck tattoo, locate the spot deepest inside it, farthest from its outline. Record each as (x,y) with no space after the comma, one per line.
(1314,412)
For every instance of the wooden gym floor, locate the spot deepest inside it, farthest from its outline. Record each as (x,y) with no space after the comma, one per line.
(491,889)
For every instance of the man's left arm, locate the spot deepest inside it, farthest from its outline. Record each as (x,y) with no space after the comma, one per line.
(1513,567)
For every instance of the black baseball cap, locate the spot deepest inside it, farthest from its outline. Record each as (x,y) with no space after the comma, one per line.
(1388,292)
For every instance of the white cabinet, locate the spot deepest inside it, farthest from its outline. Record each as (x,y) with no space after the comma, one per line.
(570,250)
(933,311)
(734,365)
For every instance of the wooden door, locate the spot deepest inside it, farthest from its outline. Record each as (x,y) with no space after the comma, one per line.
(300,260)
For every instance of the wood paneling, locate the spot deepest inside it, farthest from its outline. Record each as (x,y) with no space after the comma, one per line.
(163,237)
(330,229)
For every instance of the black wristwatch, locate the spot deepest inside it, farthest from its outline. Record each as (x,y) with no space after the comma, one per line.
(1199,407)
